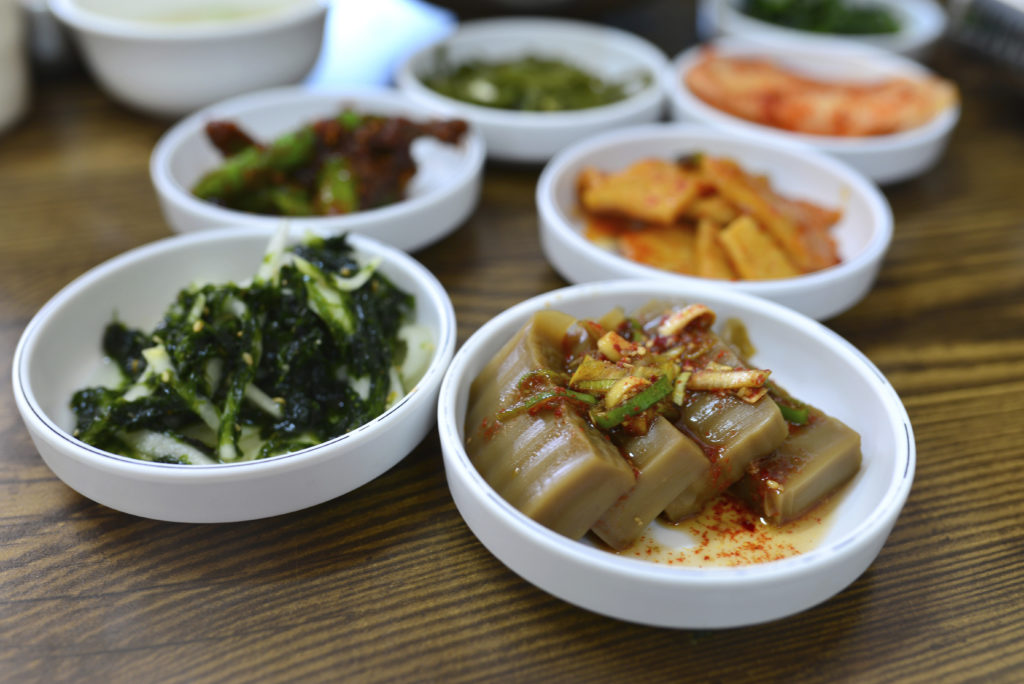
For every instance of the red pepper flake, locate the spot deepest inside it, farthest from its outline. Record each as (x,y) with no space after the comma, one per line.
(489,429)
(728,533)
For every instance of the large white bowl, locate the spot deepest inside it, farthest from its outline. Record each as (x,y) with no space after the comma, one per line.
(863,234)
(170,57)
(883,158)
(440,196)
(531,137)
(922,23)
(59,353)
(810,361)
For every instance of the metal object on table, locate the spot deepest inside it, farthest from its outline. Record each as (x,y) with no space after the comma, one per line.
(994,28)
(49,45)
(14,66)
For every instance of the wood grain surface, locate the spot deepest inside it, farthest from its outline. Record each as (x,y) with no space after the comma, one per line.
(388,584)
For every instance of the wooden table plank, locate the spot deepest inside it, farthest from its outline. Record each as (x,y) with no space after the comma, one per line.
(387,583)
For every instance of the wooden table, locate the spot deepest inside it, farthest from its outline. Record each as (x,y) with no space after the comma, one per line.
(387,583)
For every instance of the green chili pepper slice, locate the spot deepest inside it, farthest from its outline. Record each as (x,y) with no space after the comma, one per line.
(796,416)
(336,191)
(291,150)
(291,201)
(540,397)
(634,405)
(351,120)
(553,375)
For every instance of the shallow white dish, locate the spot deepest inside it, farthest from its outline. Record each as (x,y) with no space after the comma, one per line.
(440,196)
(170,57)
(883,158)
(921,24)
(59,353)
(863,234)
(532,137)
(826,371)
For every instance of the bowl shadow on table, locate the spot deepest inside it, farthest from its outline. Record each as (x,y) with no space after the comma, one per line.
(796,646)
(828,626)
(345,534)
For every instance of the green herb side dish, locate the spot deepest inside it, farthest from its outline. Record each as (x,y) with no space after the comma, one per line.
(824,16)
(528,84)
(313,346)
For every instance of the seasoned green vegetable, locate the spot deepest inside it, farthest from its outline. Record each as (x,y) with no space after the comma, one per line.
(633,406)
(535,400)
(824,16)
(529,84)
(310,349)
(794,411)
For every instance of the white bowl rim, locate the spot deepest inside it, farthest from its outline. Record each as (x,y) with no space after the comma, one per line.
(859,185)
(656,61)
(681,96)
(235,107)
(444,349)
(863,534)
(80,18)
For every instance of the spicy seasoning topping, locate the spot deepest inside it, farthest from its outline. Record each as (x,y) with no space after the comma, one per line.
(622,373)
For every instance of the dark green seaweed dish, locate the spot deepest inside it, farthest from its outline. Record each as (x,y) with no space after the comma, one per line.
(824,16)
(314,346)
(528,84)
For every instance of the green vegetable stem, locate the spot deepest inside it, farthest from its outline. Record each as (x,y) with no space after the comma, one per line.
(338,165)
(636,404)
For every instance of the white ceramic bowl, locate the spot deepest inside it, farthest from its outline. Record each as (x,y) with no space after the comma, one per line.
(863,234)
(922,23)
(441,195)
(883,158)
(170,57)
(531,137)
(811,361)
(59,353)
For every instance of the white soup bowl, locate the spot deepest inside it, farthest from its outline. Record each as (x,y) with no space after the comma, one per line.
(170,57)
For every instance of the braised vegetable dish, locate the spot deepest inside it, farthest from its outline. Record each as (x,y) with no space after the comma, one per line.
(314,346)
(605,425)
(339,165)
(705,216)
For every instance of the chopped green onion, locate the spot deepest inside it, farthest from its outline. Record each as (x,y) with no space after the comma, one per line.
(679,388)
(553,375)
(350,119)
(356,281)
(600,385)
(336,191)
(796,416)
(540,397)
(634,405)
(637,331)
